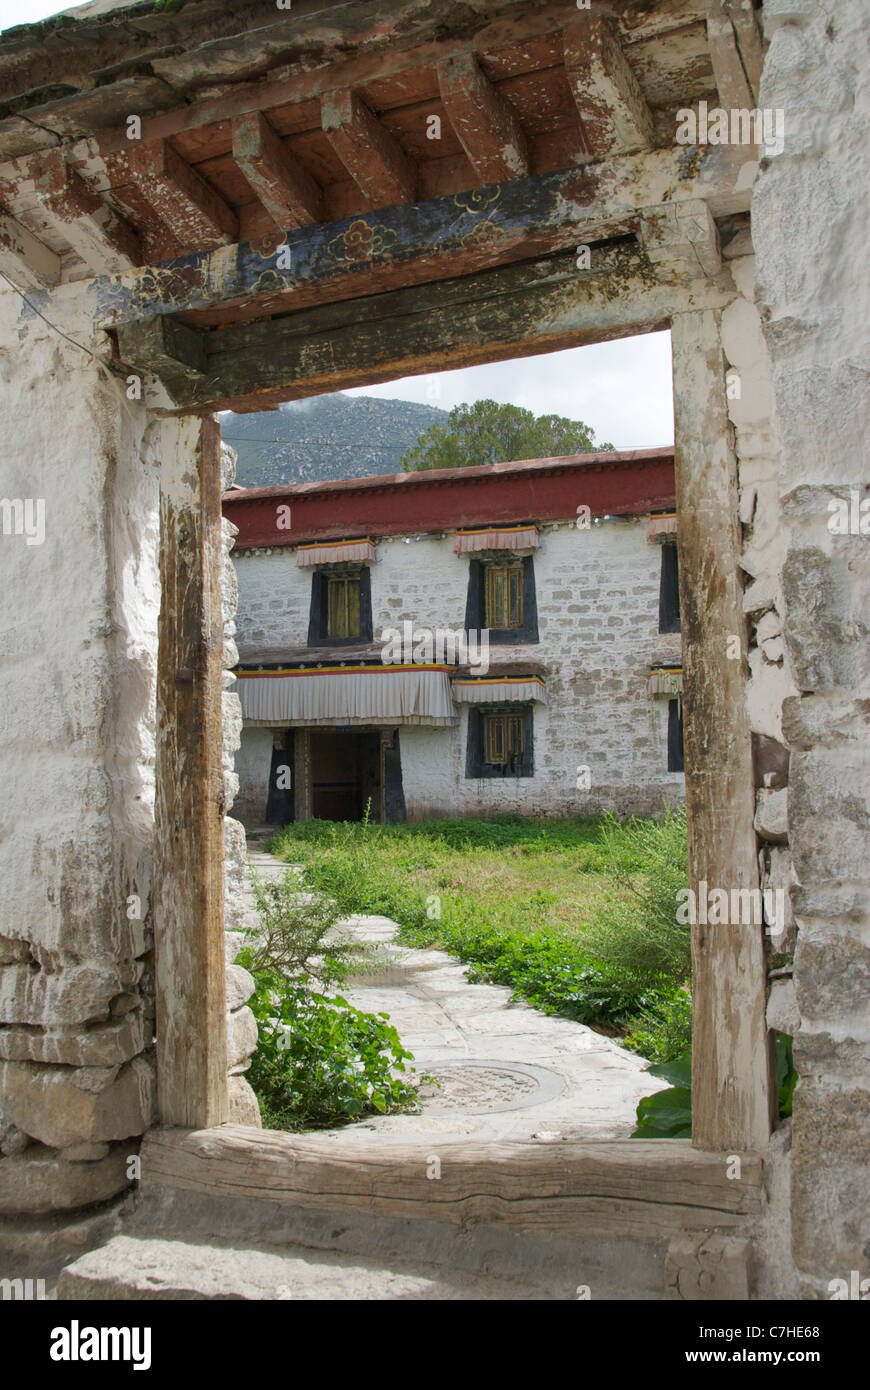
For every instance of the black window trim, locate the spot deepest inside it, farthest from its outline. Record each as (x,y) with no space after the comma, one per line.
(317,615)
(475,600)
(475,761)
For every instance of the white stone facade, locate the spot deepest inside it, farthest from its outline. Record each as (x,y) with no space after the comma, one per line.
(597,599)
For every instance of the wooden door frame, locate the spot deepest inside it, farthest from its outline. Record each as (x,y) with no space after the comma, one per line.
(732,1083)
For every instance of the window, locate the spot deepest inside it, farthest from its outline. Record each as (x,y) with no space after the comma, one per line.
(341,606)
(669,590)
(676,761)
(503,738)
(501,598)
(500,741)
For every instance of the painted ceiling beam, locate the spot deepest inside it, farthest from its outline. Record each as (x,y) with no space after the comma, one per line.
(87,224)
(485,125)
(287,191)
(613,109)
(731,79)
(27,262)
(370,154)
(180,197)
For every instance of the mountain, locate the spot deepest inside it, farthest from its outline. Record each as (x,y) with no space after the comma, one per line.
(335,436)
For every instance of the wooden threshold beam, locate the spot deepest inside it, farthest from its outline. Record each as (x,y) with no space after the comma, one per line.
(287,191)
(514,311)
(439,239)
(612,108)
(485,125)
(371,155)
(80,216)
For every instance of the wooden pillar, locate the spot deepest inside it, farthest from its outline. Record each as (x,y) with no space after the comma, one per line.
(732,1093)
(189,811)
(302,774)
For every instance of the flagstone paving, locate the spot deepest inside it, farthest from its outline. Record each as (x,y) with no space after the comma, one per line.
(506,1071)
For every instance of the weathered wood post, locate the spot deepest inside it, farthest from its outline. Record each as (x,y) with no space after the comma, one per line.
(189,811)
(731,1071)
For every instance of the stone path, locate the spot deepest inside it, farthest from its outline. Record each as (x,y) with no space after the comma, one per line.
(507,1072)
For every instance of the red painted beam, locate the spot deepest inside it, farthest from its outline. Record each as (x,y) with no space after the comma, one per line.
(617,484)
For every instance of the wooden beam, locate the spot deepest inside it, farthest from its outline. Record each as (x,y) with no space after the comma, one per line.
(372,156)
(80,216)
(612,107)
(27,262)
(166,347)
(731,80)
(477,318)
(610,1187)
(681,239)
(485,125)
(434,240)
(744,19)
(732,1091)
(189,803)
(286,190)
(180,197)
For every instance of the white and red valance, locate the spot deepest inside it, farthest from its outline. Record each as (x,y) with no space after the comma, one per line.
(666,680)
(352,695)
(517,538)
(496,690)
(336,552)
(662,526)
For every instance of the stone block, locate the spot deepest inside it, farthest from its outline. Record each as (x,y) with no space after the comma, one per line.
(32,1185)
(708,1267)
(771,814)
(240,986)
(830,1195)
(782,1009)
(244,1106)
(62,1106)
(241,1038)
(101,1045)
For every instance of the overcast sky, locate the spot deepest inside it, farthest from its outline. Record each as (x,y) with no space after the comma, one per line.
(621,389)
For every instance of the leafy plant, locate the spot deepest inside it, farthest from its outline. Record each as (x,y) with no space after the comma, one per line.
(319,1060)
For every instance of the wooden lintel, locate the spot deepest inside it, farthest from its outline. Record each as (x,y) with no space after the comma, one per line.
(731,80)
(189,801)
(181,198)
(613,109)
(27,262)
(438,239)
(370,154)
(164,346)
(80,216)
(286,190)
(477,318)
(485,125)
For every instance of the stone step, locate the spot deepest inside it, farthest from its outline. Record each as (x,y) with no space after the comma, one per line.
(189,1267)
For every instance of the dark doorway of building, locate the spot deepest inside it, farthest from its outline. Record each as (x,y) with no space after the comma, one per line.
(345,773)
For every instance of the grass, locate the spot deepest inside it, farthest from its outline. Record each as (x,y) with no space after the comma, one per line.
(577,916)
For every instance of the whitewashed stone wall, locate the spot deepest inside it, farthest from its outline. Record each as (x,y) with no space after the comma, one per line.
(809,231)
(77,689)
(597,596)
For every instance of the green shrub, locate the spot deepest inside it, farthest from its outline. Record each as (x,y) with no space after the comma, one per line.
(319,1060)
(640,931)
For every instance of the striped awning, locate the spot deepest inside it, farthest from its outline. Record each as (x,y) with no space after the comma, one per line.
(490,690)
(666,680)
(524,538)
(350,695)
(336,552)
(662,526)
